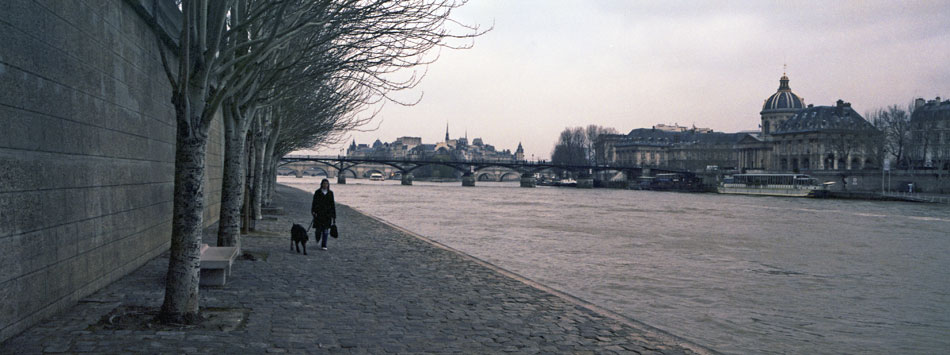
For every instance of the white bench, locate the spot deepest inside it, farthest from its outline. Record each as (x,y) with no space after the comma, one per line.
(216,264)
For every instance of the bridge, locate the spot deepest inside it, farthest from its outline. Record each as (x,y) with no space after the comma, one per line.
(471,170)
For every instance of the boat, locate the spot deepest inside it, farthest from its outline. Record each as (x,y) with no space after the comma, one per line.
(556,183)
(674,182)
(790,185)
(376,177)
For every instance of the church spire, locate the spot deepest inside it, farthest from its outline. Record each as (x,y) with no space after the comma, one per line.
(446,131)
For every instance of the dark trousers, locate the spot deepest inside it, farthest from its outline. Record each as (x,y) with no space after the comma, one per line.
(321,236)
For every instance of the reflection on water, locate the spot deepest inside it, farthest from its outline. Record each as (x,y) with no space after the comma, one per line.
(737,274)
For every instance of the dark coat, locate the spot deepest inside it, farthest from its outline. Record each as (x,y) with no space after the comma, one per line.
(325,209)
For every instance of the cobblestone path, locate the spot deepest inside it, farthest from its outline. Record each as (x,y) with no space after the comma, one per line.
(376,290)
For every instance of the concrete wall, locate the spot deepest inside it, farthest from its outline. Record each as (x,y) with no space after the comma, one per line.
(925,181)
(87,137)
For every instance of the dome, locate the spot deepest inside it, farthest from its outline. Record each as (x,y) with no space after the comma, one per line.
(784,100)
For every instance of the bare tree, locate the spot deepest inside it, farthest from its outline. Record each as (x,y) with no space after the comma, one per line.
(215,57)
(222,47)
(195,103)
(248,102)
(571,147)
(894,123)
(353,74)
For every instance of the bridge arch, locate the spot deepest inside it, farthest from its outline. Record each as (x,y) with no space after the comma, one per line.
(316,171)
(486,177)
(510,176)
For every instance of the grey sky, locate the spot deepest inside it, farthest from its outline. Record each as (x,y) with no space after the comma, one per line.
(630,64)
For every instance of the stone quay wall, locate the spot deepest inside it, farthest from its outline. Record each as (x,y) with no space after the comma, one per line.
(925,181)
(87,150)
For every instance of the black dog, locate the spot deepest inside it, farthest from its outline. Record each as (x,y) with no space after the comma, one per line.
(298,236)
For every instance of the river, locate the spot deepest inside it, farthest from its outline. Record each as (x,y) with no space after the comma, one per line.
(737,274)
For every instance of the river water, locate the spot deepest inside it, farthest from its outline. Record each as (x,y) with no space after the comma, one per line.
(737,274)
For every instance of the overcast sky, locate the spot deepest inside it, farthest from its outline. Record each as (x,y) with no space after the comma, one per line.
(550,64)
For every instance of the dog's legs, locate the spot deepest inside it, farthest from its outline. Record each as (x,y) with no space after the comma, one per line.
(304,248)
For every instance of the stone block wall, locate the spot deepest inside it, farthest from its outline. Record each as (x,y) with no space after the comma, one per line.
(87,149)
(925,181)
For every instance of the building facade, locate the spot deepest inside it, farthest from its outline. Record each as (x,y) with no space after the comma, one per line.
(454,149)
(792,137)
(825,138)
(680,150)
(930,134)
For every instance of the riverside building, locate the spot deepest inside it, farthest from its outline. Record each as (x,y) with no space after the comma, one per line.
(453,149)
(930,134)
(792,137)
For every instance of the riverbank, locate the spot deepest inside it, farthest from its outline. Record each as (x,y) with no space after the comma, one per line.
(378,289)
(893,196)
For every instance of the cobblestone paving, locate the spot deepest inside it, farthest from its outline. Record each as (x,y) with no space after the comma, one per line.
(376,290)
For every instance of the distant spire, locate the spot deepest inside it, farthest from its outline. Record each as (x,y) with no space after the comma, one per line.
(446,131)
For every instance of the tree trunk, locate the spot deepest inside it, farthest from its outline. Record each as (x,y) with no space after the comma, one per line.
(258,186)
(181,282)
(232,189)
(269,181)
(273,180)
(270,166)
(248,214)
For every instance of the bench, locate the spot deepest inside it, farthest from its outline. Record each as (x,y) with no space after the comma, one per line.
(216,264)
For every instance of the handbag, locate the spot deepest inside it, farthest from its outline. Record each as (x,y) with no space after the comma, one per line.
(334,232)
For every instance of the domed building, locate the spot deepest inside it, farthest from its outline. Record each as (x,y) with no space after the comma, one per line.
(793,137)
(754,152)
(779,107)
(797,137)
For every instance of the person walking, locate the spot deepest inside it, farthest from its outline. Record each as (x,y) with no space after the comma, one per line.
(323,210)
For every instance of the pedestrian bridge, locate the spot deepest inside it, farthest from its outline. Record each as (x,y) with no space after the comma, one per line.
(471,170)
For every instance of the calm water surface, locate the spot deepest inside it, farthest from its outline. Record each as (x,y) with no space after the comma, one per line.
(734,273)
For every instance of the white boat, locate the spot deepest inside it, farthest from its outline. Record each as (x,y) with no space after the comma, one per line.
(376,177)
(791,185)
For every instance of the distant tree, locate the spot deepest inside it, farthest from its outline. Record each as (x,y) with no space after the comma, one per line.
(571,147)
(575,146)
(894,123)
